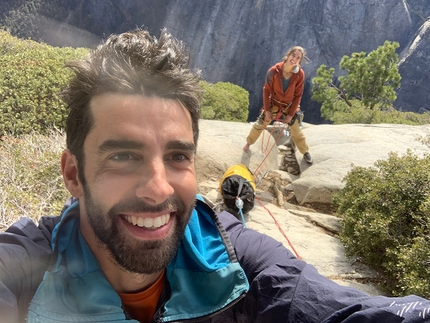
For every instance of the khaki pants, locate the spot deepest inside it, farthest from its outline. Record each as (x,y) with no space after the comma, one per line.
(295,130)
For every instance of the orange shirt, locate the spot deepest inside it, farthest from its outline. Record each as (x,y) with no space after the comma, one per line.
(142,306)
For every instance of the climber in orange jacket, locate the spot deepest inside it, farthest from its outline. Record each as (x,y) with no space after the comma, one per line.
(282,93)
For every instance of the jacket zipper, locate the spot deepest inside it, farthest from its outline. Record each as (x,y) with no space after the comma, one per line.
(202,318)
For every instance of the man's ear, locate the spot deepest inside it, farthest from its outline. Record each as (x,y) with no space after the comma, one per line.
(69,168)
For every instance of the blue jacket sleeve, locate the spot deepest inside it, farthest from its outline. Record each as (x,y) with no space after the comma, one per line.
(25,253)
(286,289)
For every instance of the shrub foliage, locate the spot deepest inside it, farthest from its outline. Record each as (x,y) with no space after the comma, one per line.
(356,113)
(224,101)
(31,76)
(386,220)
(31,183)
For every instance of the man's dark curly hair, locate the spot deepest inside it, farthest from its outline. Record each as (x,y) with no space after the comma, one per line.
(129,63)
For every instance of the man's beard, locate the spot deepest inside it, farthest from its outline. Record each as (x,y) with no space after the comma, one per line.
(142,257)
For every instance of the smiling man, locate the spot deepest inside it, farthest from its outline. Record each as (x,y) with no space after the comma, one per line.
(136,243)
(147,157)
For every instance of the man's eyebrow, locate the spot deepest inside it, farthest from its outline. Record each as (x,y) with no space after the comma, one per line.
(113,144)
(181,145)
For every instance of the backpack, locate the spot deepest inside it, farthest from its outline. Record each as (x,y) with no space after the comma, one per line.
(238,182)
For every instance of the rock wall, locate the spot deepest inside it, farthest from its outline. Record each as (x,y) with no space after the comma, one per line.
(414,94)
(237,41)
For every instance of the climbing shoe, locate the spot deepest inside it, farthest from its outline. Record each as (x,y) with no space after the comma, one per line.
(307,156)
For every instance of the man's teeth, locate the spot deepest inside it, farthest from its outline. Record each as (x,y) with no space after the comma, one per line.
(148,222)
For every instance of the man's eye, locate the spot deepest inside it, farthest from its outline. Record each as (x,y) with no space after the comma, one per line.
(179,157)
(123,157)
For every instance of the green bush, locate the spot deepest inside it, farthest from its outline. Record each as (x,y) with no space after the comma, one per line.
(386,220)
(31,183)
(357,113)
(31,76)
(224,101)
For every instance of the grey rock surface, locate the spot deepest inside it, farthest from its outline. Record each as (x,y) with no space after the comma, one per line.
(334,148)
(310,234)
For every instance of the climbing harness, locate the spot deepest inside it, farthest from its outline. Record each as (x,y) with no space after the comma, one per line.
(283,105)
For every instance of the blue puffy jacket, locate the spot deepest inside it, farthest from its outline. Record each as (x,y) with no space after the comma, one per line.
(222,272)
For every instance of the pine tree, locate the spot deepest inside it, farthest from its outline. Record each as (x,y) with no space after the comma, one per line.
(372,78)
(369,83)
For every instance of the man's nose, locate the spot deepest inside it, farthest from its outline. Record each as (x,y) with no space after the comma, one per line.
(154,186)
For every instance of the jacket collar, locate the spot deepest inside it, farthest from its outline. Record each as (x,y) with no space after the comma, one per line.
(81,287)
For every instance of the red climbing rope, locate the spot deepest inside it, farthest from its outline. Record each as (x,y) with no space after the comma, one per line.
(264,150)
(280,229)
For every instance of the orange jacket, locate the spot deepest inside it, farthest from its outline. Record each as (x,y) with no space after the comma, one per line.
(273,89)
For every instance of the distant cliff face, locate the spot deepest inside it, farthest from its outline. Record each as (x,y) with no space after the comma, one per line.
(414,94)
(237,41)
